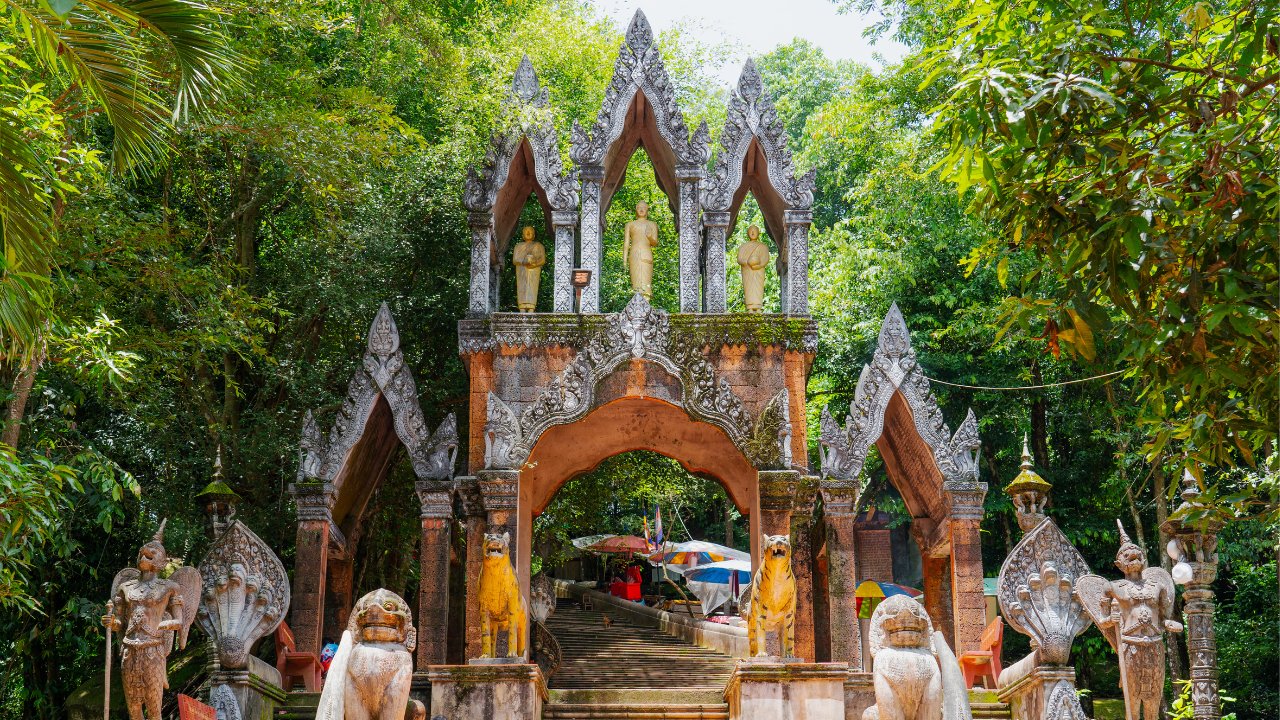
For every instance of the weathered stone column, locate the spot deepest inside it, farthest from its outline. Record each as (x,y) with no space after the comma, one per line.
(562,298)
(969,605)
(846,637)
(498,489)
(715,272)
(1197,547)
(314,501)
(797,286)
(436,504)
(481,224)
(777,491)
(690,236)
(937,593)
(476,521)
(589,234)
(802,564)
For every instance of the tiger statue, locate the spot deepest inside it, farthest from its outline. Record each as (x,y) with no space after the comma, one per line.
(771,598)
(502,607)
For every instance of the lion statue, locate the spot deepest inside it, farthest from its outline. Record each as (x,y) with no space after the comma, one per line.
(370,674)
(771,598)
(502,607)
(916,675)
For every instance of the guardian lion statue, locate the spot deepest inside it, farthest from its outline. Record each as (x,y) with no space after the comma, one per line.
(502,607)
(771,600)
(370,674)
(916,675)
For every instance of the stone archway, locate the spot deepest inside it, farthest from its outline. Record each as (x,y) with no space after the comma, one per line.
(632,423)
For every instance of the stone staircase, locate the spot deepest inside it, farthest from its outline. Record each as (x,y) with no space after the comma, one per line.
(628,672)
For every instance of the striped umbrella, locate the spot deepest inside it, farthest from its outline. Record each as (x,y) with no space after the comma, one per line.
(871,592)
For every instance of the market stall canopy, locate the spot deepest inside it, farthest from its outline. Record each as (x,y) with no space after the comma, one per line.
(696,552)
(721,573)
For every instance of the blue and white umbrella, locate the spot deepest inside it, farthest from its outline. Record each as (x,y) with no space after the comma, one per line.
(721,573)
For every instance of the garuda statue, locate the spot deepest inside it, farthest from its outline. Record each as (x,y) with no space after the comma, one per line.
(149,611)
(370,674)
(502,607)
(1133,614)
(915,674)
(771,600)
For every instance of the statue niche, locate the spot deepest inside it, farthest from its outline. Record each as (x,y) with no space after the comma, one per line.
(528,256)
(639,237)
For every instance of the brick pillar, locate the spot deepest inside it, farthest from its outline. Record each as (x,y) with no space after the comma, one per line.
(314,501)
(937,594)
(436,505)
(969,606)
(802,564)
(777,491)
(339,593)
(475,521)
(499,492)
(846,636)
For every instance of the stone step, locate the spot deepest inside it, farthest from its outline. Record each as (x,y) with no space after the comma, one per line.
(595,711)
(990,711)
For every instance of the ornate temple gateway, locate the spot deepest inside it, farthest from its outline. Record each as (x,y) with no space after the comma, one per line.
(554,393)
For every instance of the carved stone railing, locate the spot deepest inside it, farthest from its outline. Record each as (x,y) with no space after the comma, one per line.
(546,649)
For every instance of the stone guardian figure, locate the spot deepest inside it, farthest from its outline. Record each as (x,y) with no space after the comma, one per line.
(1134,613)
(370,674)
(639,237)
(916,676)
(528,256)
(753,258)
(150,611)
(502,607)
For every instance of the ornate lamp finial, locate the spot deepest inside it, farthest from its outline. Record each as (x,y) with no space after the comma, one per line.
(1029,492)
(217,499)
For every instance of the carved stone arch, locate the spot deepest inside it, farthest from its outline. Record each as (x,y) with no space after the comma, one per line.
(639,332)
(893,389)
(523,158)
(380,411)
(640,108)
(753,156)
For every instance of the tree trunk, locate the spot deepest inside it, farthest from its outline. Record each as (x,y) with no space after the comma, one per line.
(1177,647)
(1039,421)
(17,408)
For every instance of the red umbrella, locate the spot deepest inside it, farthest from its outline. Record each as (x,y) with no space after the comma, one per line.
(620,544)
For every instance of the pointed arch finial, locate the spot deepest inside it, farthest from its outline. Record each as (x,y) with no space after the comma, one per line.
(384,338)
(895,339)
(639,32)
(525,82)
(750,84)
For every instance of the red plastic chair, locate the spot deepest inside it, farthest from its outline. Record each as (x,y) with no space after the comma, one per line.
(985,661)
(294,665)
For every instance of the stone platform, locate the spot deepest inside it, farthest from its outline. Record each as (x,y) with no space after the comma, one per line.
(487,692)
(765,690)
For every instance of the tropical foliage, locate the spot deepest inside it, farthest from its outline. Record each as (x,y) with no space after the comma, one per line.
(205,278)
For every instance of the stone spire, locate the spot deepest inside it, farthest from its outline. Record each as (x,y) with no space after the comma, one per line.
(1029,492)
(218,500)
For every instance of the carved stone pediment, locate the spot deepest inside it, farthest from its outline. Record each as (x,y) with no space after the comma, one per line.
(751,116)
(382,374)
(527,117)
(246,594)
(639,69)
(641,332)
(892,369)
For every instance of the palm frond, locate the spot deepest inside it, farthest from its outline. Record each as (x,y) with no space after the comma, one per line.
(27,238)
(206,62)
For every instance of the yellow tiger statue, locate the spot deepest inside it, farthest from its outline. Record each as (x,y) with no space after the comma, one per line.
(502,607)
(771,599)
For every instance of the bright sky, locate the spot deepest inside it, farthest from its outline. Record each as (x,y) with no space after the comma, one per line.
(758,26)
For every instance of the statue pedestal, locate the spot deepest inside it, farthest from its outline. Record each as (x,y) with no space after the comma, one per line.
(760,690)
(254,691)
(487,692)
(859,694)
(1033,690)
